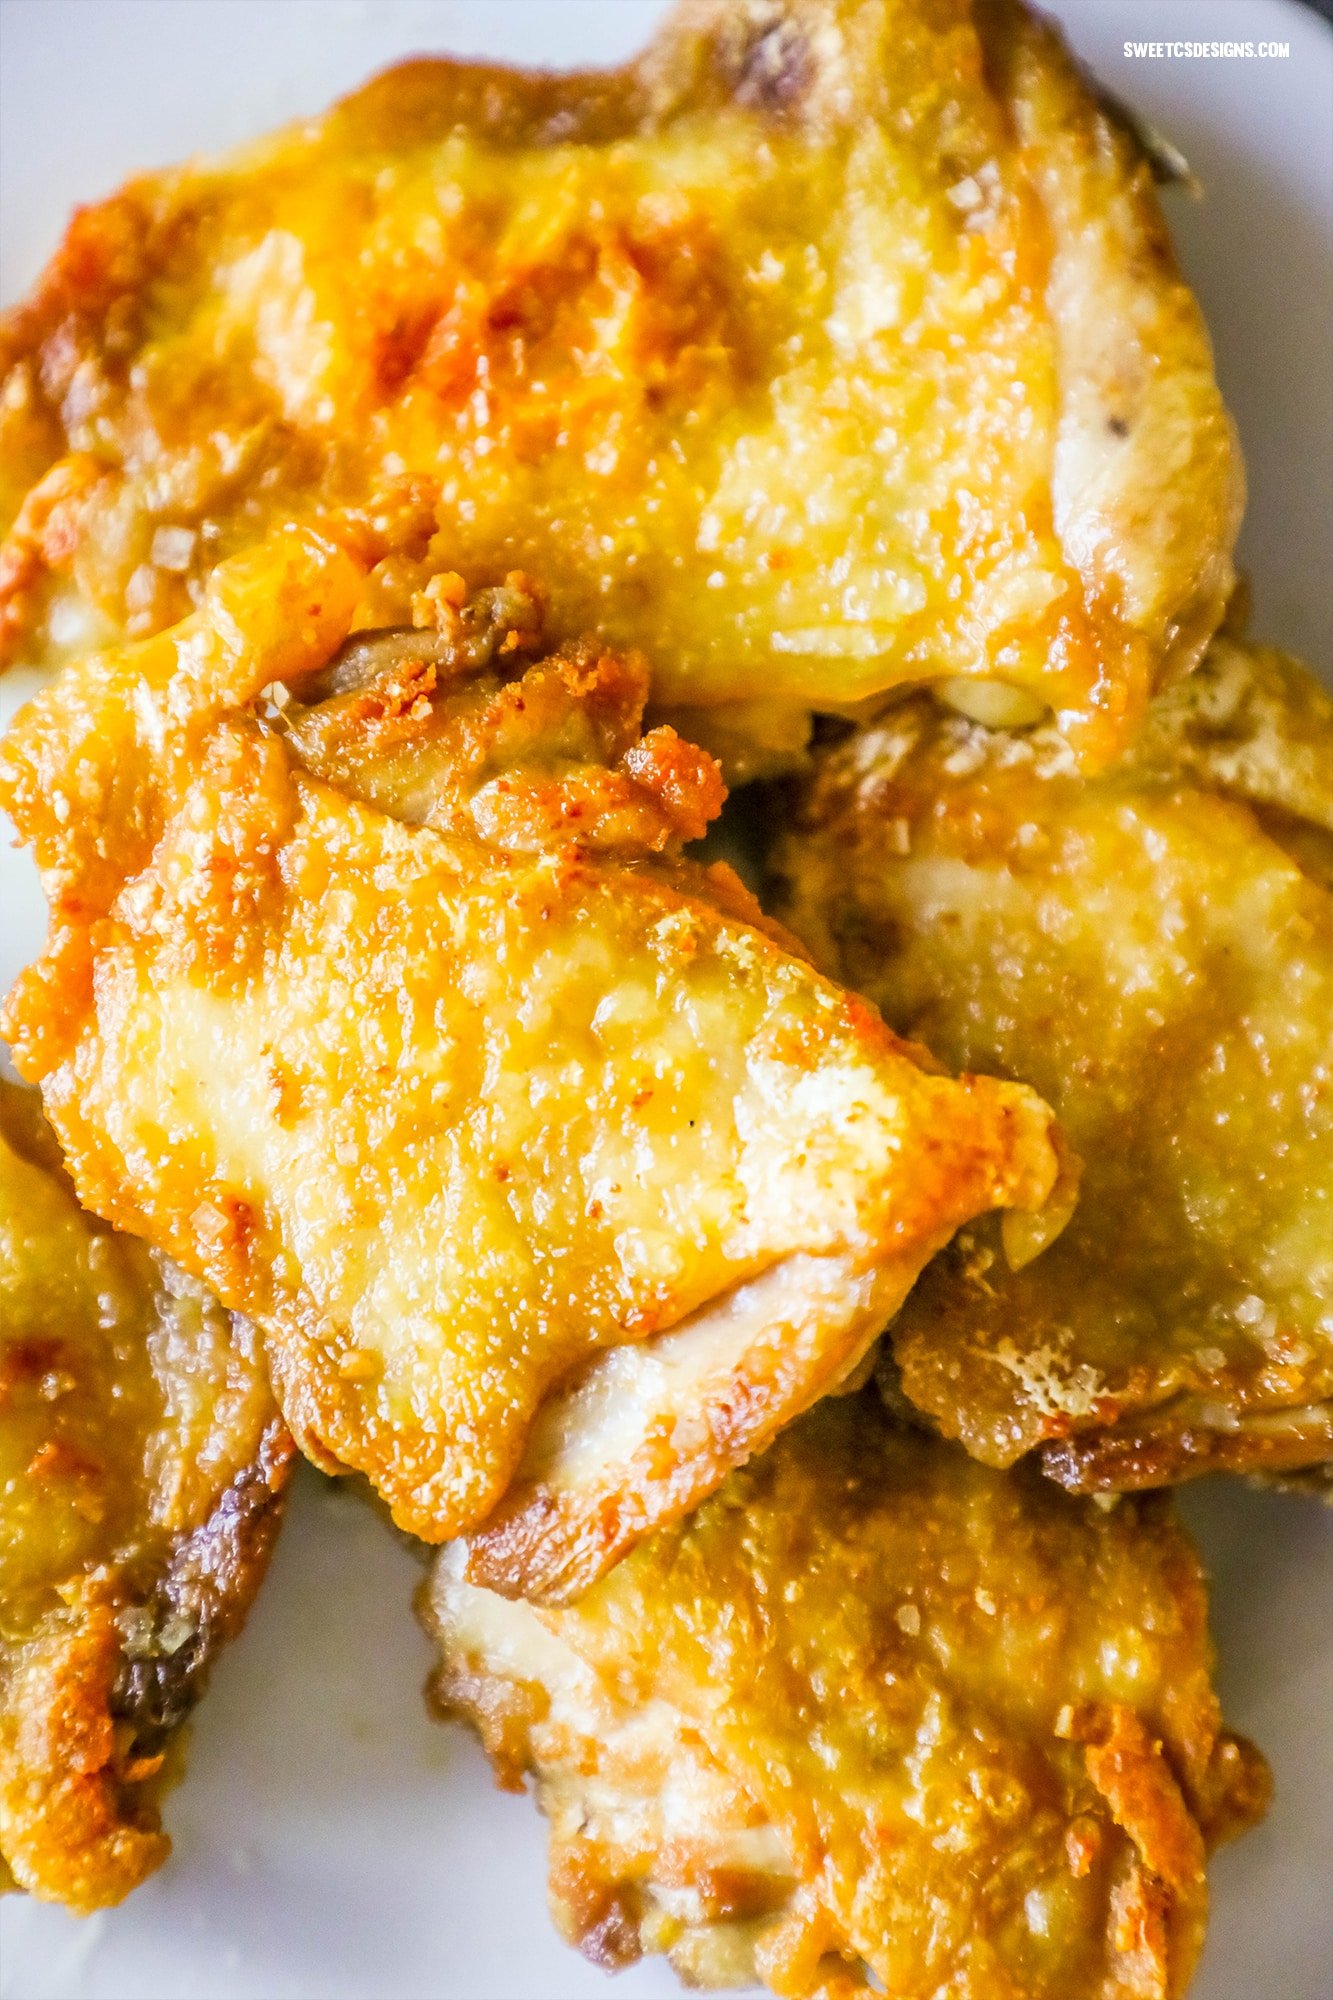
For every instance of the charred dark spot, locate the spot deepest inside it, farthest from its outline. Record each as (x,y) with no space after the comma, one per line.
(1118,427)
(157,1688)
(504,619)
(775,68)
(398,347)
(201,1601)
(829,729)
(28,1360)
(611,1939)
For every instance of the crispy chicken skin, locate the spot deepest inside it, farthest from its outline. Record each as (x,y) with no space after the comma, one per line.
(832,345)
(378,995)
(877,1718)
(142,1462)
(1154,951)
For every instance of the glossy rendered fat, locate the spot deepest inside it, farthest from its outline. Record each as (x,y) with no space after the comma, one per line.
(834,344)
(877,1718)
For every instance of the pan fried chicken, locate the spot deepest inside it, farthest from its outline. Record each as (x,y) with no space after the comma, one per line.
(379,996)
(876,1719)
(142,1463)
(832,345)
(1154,951)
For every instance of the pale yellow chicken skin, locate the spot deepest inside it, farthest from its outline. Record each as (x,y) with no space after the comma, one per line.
(555,1178)
(876,1719)
(832,345)
(142,1462)
(1154,951)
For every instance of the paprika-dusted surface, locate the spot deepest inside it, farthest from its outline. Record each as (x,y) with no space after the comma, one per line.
(831,345)
(877,1719)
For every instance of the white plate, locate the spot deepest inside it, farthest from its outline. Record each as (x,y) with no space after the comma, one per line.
(331,1843)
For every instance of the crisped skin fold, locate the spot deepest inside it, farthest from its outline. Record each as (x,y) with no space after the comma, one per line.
(142,1462)
(831,346)
(1153,950)
(378,995)
(877,1718)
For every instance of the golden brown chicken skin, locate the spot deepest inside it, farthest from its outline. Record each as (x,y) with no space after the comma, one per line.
(379,995)
(1154,951)
(878,1718)
(832,345)
(142,1462)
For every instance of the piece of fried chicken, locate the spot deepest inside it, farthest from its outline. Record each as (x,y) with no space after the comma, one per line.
(832,345)
(876,1719)
(556,1179)
(1154,951)
(142,1462)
